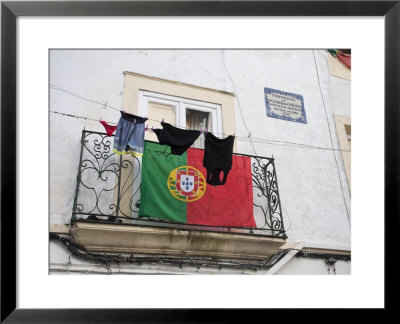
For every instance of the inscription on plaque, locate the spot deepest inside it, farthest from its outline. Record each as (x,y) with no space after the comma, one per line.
(285,105)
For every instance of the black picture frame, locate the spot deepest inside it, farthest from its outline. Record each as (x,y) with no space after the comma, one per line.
(10,10)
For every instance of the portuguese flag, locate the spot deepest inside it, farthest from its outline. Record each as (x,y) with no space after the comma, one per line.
(174,187)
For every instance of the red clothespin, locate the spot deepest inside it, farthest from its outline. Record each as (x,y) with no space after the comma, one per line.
(147,126)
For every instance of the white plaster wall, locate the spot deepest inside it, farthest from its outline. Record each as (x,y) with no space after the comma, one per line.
(313,196)
(310,266)
(308,178)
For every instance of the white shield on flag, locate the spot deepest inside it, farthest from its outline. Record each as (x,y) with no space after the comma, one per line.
(186,182)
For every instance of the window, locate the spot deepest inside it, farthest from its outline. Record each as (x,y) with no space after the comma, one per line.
(181,112)
(343,130)
(184,105)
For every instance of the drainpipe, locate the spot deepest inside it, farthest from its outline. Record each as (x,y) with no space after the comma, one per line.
(286,258)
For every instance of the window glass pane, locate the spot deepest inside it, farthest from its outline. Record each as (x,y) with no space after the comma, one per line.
(156,113)
(348,134)
(348,131)
(196,119)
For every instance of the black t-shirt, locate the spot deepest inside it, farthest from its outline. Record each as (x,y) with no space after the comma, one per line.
(217,157)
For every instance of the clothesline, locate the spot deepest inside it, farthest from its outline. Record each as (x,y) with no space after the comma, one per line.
(246,139)
(106,105)
(147,128)
(83,98)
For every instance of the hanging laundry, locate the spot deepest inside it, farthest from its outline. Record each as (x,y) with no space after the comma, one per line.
(217,158)
(178,139)
(109,128)
(129,136)
(345,59)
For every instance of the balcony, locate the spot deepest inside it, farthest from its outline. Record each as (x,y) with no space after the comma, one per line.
(107,201)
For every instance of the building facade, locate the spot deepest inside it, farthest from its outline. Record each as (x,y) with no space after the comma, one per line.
(289,111)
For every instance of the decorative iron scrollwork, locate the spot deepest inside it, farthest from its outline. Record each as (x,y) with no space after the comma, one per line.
(100,189)
(266,189)
(108,187)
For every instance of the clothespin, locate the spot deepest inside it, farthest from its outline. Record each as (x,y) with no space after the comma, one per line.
(147,126)
(200,131)
(105,105)
(162,120)
(206,130)
(152,128)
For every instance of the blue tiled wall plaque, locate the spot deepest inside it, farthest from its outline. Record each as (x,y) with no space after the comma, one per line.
(285,105)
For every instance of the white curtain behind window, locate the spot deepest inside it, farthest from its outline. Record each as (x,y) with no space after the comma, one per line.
(198,120)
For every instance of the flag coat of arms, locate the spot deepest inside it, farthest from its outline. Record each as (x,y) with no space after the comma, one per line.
(174,187)
(187,182)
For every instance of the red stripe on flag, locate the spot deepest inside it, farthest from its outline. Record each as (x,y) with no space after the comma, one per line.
(230,204)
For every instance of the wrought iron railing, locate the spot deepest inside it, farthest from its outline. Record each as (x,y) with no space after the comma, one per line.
(108,190)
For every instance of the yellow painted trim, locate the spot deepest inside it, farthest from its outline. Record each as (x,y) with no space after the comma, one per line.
(341,122)
(178,83)
(338,69)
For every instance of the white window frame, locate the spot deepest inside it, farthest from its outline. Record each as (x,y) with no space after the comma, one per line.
(180,105)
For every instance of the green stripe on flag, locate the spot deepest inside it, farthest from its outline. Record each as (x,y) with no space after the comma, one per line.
(155,199)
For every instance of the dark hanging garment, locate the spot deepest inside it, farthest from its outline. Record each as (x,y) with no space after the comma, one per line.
(178,139)
(217,158)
